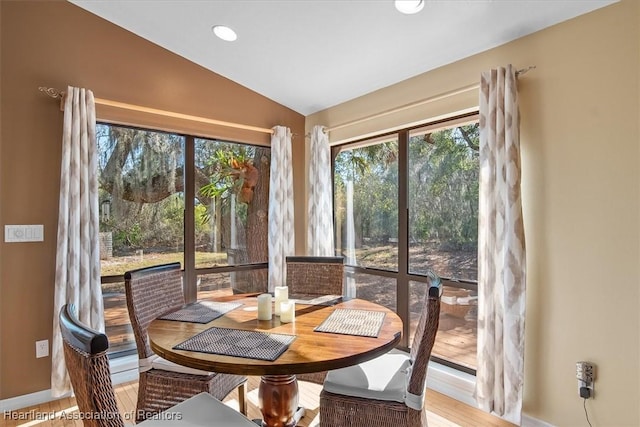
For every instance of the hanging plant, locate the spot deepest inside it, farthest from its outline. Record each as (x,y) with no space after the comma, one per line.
(247,177)
(235,174)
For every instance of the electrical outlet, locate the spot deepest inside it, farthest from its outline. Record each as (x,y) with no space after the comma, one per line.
(585,372)
(42,348)
(586,375)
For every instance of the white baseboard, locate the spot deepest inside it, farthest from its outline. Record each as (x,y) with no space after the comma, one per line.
(528,421)
(451,382)
(123,364)
(27,400)
(125,376)
(123,369)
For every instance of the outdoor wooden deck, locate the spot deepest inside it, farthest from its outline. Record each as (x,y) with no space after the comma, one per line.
(456,339)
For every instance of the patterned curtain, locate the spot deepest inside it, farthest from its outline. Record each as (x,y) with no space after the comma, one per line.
(281,240)
(78,248)
(501,250)
(320,231)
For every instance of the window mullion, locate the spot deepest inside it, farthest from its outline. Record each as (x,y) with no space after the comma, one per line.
(189,281)
(403,236)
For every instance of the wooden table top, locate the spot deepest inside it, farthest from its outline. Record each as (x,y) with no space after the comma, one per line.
(310,351)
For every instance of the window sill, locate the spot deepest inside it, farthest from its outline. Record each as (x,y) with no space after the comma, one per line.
(124,369)
(451,382)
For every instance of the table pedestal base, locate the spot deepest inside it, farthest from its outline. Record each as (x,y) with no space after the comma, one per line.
(278,397)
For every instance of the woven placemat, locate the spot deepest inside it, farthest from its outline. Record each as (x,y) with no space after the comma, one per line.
(327,300)
(201,312)
(345,321)
(239,343)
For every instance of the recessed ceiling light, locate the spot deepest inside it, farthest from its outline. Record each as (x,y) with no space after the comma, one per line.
(225,33)
(409,7)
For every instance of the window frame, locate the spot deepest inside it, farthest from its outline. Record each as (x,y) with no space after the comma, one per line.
(403,276)
(190,272)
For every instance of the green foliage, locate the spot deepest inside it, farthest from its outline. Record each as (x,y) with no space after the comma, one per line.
(142,175)
(443,188)
(373,170)
(223,172)
(224,169)
(127,235)
(169,219)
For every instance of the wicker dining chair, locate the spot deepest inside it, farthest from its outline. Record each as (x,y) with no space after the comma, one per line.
(388,390)
(85,354)
(151,292)
(314,275)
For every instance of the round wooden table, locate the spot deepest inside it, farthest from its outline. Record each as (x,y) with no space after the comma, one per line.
(310,352)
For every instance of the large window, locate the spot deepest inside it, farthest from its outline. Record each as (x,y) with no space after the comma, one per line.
(145,177)
(405,203)
(231,186)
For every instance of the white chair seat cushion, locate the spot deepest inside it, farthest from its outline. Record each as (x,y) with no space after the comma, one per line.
(165,365)
(199,410)
(383,378)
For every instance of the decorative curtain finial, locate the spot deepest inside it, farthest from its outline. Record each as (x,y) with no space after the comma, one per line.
(52,92)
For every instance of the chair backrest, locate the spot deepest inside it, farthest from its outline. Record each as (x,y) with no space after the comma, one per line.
(151,291)
(85,354)
(315,275)
(425,335)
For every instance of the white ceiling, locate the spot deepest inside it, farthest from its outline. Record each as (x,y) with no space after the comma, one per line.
(313,54)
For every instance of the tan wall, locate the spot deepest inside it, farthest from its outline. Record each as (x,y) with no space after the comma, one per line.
(580,143)
(57,44)
(1,203)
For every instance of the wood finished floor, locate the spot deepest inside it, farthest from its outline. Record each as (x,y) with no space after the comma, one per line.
(442,410)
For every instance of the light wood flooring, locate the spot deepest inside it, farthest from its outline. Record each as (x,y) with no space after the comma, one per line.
(442,410)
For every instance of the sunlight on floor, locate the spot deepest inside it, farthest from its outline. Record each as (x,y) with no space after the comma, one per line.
(435,420)
(51,416)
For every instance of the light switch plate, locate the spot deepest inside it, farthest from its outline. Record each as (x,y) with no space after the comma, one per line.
(24,233)
(42,348)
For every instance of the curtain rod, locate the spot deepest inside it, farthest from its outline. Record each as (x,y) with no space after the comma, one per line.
(55,93)
(428,100)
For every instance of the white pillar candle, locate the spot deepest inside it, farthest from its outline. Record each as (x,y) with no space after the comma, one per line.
(264,307)
(281,293)
(287,311)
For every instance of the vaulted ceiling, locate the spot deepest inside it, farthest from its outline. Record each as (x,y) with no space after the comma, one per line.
(313,54)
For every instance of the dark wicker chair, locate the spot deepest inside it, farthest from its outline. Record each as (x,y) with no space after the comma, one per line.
(388,390)
(151,292)
(314,275)
(85,354)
